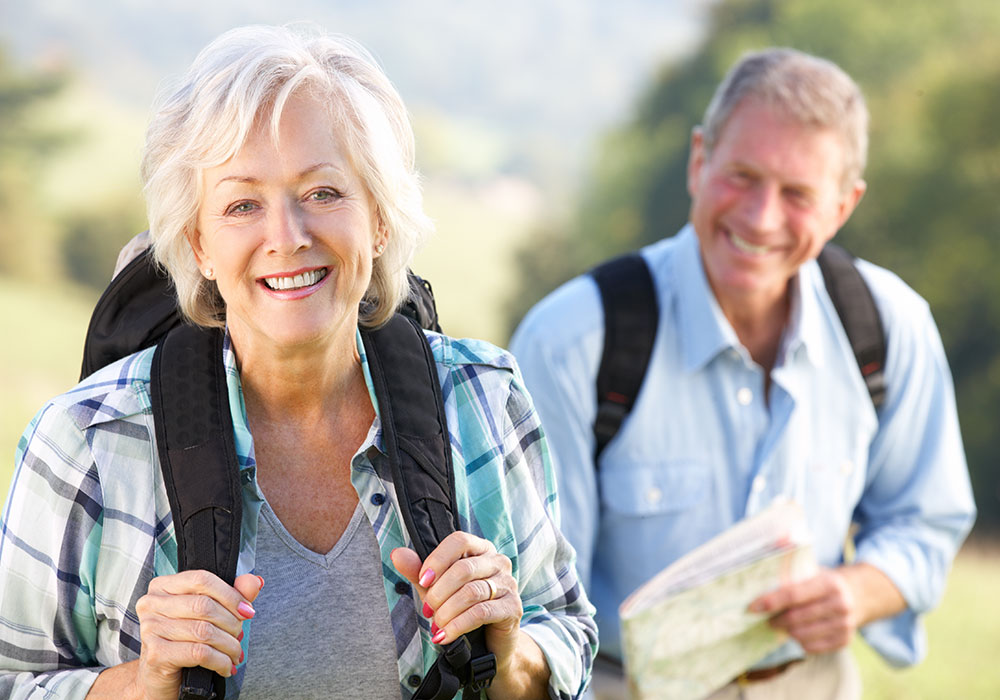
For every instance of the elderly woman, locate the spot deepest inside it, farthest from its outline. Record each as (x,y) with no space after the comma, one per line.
(282,198)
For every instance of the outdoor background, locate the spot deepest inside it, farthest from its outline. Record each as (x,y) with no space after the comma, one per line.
(551,134)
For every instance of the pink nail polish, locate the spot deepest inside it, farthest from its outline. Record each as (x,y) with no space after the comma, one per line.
(245,609)
(261,580)
(426,578)
(239,637)
(427,611)
(241,657)
(232,671)
(439,637)
(434,629)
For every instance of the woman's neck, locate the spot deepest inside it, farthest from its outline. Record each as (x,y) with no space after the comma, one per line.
(301,384)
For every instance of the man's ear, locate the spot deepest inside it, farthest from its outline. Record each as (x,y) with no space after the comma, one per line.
(849,201)
(696,160)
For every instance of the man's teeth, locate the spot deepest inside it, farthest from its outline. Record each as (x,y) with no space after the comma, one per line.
(746,246)
(305,279)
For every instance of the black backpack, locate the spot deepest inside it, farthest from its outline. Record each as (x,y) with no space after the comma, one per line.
(631,315)
(194,437)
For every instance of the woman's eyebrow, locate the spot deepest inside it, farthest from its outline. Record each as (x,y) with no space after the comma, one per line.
(250,179)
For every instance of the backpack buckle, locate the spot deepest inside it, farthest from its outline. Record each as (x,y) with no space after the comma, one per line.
(481,672)
(611,411)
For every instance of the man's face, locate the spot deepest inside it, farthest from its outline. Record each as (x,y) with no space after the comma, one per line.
(764,201)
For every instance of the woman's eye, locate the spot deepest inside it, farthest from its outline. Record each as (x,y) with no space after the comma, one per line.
(241,208)
(323,195)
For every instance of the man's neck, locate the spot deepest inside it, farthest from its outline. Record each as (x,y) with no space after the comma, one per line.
(759,321)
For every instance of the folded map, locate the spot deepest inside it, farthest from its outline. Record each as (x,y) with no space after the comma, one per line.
(687,632)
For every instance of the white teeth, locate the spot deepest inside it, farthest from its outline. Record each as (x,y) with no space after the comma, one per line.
(746,246)
(305,279)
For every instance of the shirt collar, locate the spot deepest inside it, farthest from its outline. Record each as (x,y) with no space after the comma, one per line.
(237,408)
(704,330)
(804,332)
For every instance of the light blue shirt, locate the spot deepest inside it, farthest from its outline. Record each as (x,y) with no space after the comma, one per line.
(703,449)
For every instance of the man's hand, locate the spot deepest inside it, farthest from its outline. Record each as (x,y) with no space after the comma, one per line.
(823,612)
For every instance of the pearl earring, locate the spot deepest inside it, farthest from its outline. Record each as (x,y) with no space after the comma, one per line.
(379,248)
(209,272)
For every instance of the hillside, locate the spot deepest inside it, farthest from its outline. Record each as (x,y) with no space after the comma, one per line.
(44,329)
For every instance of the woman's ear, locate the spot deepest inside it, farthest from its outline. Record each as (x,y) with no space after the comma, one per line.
(381,236)
(204,264)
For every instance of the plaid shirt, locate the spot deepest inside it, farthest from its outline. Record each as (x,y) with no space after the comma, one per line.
(88,525)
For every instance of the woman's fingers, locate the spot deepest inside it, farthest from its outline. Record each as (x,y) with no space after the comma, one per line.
(459,558)
(471,607)
(464,584)
(171,645)
(192,619)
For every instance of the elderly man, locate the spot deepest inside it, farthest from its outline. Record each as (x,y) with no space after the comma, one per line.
(752,392)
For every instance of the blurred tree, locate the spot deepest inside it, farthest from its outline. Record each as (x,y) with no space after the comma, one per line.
(932,212)
(92,240)
(24,149)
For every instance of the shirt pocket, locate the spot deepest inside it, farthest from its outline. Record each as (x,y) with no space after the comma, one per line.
(654,488)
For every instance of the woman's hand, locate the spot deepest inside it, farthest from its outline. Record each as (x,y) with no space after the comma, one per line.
(466,584)
(191,619)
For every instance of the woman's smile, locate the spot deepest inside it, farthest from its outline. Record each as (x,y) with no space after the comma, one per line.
(306,281)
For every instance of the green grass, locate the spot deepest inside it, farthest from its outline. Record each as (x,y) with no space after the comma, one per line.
(963,636)
(40,357)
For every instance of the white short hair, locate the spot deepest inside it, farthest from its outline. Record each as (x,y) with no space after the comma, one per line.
(244,78)
(807,89)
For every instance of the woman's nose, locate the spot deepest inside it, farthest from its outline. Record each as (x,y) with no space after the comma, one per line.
(287,232)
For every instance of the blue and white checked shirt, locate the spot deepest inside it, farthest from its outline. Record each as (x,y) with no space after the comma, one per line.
(703,449)
(88,525)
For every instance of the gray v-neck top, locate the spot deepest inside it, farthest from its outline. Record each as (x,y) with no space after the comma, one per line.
(322,628)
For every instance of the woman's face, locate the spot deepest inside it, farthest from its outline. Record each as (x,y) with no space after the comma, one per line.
(287,230)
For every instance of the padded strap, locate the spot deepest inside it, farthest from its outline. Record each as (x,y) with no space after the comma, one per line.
(631,315)
(194,439)
(859,316)
(414,429)
(415,436)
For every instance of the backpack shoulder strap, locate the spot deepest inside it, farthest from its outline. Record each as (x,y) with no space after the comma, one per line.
(631,315)
(415,435)
(858,314)
(413,429)
(195,443)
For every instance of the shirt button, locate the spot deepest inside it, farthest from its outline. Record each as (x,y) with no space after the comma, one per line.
(403,588)
(744,396)
(759,484)
(378,498)
(654,495)
(413,681)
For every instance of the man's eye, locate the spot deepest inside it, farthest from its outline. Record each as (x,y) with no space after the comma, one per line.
(799,197)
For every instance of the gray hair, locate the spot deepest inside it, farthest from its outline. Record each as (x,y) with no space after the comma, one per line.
(243,79)
(809,90)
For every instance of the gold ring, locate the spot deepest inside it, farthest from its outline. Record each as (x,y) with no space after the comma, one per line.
(493,588)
